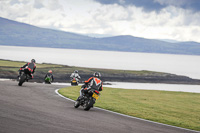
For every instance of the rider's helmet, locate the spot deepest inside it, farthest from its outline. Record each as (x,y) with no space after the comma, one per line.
(97,74)
(33,61)
(50,71)
(76,71)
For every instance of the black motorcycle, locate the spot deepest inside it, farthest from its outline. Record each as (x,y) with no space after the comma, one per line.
(23,77)
(87,100)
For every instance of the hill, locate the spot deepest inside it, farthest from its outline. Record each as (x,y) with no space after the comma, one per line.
(14,33)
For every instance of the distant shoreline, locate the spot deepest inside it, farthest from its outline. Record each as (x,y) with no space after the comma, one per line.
(141,79)
(8,70)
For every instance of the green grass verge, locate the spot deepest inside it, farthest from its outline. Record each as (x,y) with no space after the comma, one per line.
(174,108)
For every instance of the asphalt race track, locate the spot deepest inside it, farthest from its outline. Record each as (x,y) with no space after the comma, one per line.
(36,108)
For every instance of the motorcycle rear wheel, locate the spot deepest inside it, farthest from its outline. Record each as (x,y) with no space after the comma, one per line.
(74,84)
(88,104)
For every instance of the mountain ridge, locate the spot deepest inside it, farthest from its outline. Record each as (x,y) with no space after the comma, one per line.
(13,33)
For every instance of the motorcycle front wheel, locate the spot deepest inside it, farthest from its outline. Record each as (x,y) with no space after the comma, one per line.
(76,104)
(22,80)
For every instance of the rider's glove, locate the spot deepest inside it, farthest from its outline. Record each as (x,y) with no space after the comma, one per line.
(85,90)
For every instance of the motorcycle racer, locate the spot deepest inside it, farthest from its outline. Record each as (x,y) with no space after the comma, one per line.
(92,83)
(31,66)
(75,75)
(50,76)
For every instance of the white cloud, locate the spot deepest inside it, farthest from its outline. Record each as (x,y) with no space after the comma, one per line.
(54,5)
(38,4)
(91,17)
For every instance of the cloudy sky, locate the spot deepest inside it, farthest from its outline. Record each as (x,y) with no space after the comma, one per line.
(154,19)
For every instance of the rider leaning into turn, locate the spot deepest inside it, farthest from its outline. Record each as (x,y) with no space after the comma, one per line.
(75,75)
(50,75)
(92,83)
(30,66)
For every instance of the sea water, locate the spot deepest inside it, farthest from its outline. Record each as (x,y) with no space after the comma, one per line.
(187,65)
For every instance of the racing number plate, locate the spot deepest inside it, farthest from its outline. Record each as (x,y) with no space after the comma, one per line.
(95,96)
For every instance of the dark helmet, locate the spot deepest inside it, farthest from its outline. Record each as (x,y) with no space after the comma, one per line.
(33,61)
(97,74)
(76,71)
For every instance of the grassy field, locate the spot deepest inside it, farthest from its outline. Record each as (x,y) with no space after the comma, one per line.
(173,108)
(13,67)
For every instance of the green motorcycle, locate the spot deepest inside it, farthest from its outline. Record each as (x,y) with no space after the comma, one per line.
(48,80)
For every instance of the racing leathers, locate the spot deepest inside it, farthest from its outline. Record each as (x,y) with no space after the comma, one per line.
(76,76)
(92,83)
(31,67)
(50,75)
